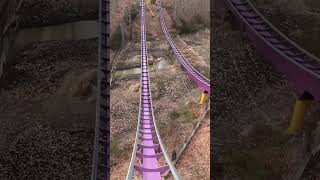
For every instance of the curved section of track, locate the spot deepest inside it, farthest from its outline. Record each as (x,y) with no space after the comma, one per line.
(148,147)
(301,67)
(101,154)
(202,82)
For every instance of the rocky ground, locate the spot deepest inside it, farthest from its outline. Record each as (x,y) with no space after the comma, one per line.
(48,104)
(45,12)
(48,111)
(301,25)
(253,104)
(48,95)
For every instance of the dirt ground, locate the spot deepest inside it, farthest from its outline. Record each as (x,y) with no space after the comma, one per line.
(199,152)
(46,12)
(48,111)
(47,96)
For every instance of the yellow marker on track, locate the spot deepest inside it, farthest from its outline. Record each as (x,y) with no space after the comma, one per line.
(297,121)
(203,98)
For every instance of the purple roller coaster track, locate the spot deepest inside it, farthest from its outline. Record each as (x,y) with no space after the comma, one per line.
(202,82)
(300,67)
(146,148)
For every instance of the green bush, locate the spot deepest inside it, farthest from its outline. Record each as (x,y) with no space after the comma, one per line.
(184,113)
(186,28)
(116,39)
(150,37)
(132,13)
(245,165)
(114,147)
(187,115)
(197,23)
(174,115)
(153,1)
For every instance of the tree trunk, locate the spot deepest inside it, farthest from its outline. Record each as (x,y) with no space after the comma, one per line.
(122,28)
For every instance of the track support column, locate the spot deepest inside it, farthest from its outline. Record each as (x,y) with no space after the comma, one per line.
(203,98)
(297,121)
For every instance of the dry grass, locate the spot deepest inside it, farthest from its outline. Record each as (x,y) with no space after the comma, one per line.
(188,9)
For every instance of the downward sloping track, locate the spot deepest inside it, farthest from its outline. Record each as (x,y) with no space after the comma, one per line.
(202,82)
(301,67)
(9,22)
(145,146)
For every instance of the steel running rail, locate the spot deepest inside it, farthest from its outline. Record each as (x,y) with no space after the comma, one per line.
(202,82)
(300,66)
(101,154)
(147,130)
